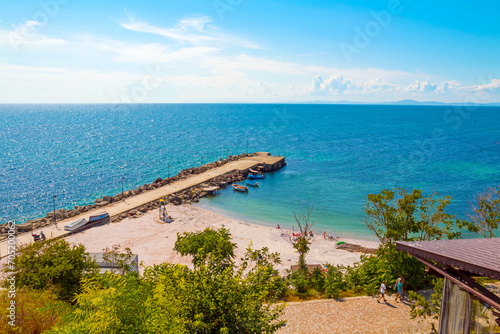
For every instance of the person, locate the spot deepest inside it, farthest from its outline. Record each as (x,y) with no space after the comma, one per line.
(278,227)
(324,234)
(42,235)
(382,292)
(399,286)
(311,234)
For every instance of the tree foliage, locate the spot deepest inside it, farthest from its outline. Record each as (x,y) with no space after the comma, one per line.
(35,311)
(427,307)
(485,214)
(399,215)
(52,263)
(213,297)
(119,262)
(210,243)
(301,242)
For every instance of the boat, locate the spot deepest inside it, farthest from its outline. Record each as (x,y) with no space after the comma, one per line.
(75,225)
(98,216)
(252,183)
(242,189)
(259,176)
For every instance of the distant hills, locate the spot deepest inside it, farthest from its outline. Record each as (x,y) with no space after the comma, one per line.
(402,103)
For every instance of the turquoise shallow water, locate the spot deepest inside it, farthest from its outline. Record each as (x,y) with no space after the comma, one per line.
(336,154)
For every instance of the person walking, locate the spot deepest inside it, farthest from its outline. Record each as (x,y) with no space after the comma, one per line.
(399,286)
(382,292)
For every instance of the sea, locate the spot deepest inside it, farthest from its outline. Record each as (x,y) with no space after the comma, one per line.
(336,155)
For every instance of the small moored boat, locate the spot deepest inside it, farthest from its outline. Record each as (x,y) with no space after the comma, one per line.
(252,183)
(75,225)
(242,189)
(259,176)
(98,216)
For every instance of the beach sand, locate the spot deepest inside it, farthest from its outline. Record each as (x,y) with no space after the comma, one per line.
(154,240)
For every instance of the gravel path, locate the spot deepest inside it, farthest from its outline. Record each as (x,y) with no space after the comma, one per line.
(352,315)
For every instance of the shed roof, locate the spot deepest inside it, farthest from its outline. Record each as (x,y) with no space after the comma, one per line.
(477,256)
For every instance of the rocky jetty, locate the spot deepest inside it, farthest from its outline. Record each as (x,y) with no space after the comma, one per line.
(186,196)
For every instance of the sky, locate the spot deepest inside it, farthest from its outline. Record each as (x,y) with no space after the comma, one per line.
(225,51)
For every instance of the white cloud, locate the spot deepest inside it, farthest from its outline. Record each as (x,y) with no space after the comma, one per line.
(448,86)
(334,85)
(195,30)
(492,87)
(27,33)
(422,86)
(338,85)
(430,87)
(377,86)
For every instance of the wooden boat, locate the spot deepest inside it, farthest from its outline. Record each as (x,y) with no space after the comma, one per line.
(252,183)
(75,225)
(242,189)
(98,216)
(259,176)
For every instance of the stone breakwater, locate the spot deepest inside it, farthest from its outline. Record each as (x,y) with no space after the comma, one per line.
(186,196)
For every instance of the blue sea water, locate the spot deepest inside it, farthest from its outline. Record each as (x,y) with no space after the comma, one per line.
(336,155)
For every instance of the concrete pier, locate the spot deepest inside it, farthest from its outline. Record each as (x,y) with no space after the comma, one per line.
(117,208)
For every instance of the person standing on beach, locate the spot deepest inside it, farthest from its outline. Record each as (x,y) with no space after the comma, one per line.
(382,292)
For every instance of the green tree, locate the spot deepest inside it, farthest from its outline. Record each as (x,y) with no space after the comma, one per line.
(213,297)
(485,214)
(399,215)
(53,263)
(210,243)
(301,242)
(427,307)
(121,262)
(113,303)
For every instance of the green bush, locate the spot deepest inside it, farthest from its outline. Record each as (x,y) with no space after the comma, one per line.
(55,264)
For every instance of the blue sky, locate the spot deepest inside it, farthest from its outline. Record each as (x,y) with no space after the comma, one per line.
(65,51)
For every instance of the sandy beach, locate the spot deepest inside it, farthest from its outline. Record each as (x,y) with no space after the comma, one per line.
(153,240)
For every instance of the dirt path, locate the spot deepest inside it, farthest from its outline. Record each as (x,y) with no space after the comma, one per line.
(352,315)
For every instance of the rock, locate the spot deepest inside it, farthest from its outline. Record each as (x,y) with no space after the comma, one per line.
(158,180)
(128,193)
(98,200)
(35,221)
(24,227)
(108,199)
(132,213)
(103,203)
(176,200)
(143,208)
(88,207)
